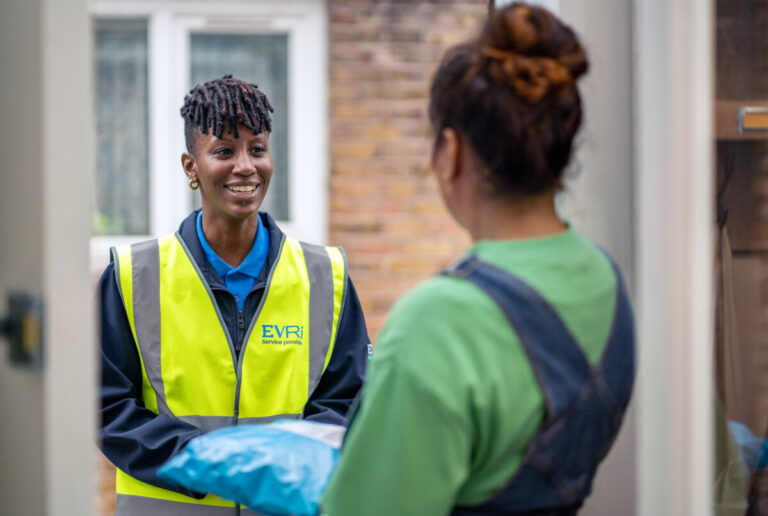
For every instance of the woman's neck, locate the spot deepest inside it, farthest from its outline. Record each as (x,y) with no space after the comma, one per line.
(507,219)
(230,240)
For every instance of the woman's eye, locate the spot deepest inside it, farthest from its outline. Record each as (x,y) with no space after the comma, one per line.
(223,151)
(257,150)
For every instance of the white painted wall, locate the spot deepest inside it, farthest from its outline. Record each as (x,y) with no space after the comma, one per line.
(598,199)
(46,434)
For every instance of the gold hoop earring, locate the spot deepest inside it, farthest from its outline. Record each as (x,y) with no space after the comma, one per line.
(194,184)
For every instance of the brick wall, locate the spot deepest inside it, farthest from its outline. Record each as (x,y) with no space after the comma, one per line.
(106,486)
(385,210)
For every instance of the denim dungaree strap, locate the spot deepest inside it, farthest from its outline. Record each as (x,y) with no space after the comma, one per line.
(584,404)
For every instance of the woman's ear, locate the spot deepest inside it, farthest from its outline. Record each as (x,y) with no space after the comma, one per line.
(189,163)
(446,158)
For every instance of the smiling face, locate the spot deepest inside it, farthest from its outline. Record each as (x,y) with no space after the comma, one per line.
(233,173)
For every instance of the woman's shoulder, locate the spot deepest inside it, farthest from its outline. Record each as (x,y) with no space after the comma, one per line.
(448,335)
(440,297)
(565,264)
(440,317)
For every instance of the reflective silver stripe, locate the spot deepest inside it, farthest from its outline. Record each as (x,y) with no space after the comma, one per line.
(320,309)
(265,419)
(114,258)
(247,512)
(146,313)
(209,423)
(129,505)
(343,292)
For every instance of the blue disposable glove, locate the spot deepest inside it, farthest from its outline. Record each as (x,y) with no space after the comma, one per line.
(753,449)
(276,469)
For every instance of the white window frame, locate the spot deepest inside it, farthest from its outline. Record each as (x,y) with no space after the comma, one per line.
(169,27)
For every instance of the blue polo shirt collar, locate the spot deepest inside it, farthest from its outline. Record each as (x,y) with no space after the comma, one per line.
(233,277)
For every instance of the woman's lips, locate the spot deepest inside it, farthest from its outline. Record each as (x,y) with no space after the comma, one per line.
(243,190)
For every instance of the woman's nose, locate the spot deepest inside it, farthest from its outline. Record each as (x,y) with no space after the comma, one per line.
(244,165)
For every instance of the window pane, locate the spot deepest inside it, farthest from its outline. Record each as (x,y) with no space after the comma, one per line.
(122,202)
(260,59)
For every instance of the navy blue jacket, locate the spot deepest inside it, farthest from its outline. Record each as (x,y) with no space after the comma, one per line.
(139,441)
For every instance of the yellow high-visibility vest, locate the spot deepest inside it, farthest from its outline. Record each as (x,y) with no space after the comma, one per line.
(189,367)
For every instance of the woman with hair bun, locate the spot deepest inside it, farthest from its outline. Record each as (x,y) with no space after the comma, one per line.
(498,385)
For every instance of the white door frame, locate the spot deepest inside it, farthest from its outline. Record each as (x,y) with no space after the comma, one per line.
(674,149)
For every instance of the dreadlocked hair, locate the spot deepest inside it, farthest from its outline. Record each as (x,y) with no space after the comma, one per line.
(223,104)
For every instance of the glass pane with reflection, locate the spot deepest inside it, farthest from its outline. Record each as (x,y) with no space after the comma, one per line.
(741,344)
(122,183)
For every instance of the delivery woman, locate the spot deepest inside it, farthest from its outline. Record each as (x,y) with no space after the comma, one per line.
(226,321)
(498,385)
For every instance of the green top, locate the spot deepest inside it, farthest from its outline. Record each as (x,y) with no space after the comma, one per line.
(451,402)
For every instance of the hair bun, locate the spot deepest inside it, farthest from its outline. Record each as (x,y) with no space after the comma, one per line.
(531,51)
(530,77)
